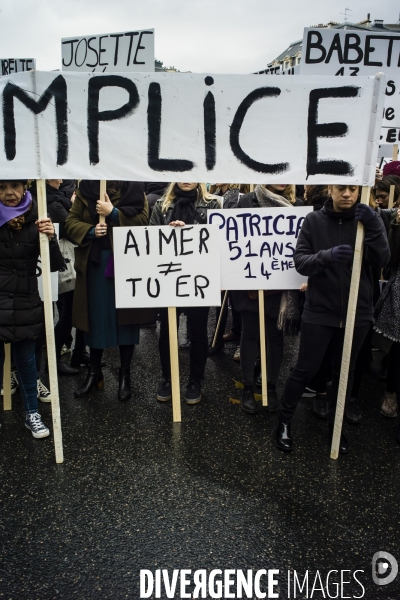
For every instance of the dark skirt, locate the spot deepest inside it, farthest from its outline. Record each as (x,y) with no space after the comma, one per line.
(104,329)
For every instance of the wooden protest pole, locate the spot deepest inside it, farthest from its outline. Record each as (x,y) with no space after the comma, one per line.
(391,196)
(7,377)
(263,353)
(103,186)
(395,151)
(48,314)
(263,348)
(219,319)
(348,335)
(174,360)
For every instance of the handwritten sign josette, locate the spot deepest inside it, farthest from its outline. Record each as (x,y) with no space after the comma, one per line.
(167,266)
(130,51)
(257,247)
(190,127)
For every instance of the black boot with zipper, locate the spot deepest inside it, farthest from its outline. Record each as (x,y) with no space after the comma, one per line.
(124,389)
(94,379)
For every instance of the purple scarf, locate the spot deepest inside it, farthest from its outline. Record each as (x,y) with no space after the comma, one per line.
(10,212)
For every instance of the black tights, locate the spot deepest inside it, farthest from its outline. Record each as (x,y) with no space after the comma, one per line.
(125,354)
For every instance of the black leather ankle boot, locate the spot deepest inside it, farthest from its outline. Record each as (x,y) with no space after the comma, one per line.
(283,437)
(94,379)
(124,390)
(248,402)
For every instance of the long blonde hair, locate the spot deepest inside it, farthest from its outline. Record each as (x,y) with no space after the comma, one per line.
(170,196)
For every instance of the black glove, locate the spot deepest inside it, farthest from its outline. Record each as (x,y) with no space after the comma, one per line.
(342,254)
(364,213)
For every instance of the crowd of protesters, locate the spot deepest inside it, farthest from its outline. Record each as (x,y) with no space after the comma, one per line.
(317,311)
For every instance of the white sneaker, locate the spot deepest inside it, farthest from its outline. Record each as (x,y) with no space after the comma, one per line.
(14,383)
(35,424)
(236,356)
(42,392)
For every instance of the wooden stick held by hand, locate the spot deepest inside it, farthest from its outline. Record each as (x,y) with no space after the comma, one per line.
(348,335)
(391,196)
(174,358)
(103,188)
(49,322)
(7,377)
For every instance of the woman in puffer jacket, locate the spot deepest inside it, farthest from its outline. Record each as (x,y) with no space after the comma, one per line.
(21,313)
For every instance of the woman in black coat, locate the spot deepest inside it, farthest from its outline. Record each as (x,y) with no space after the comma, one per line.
(21,313)
(324,253)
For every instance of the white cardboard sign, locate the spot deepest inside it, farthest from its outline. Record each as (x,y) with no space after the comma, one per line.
(166,266)
(129,51)
(257,247)
(190,127)
(355,52)
(16,65)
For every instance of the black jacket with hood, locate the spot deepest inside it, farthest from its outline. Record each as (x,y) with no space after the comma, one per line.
(328,281)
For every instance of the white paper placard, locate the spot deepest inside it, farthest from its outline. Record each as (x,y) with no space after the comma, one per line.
(190,127)
(53,275)
(16,65)
(356,52)
(257,247)
(129,51)
(166,266)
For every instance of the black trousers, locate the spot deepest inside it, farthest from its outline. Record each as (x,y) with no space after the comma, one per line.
(314,342)
(64,324)
(249,346)
(197,318)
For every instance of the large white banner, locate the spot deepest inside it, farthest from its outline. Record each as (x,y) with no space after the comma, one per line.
(16,65)
(354,53)
(257,247)
(129,51)
(166,266)
(187,127)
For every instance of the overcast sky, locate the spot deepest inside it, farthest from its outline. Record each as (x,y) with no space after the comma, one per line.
(220,36)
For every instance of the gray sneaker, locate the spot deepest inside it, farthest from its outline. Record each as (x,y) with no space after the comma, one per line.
(36,426)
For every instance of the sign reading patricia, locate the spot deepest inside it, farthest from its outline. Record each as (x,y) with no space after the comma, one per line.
(130,51)
(167,266)
(257,247)
(190,127)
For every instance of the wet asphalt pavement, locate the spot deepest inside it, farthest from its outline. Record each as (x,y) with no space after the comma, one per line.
(137,492)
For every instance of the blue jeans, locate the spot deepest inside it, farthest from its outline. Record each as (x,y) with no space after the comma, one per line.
(25,361)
